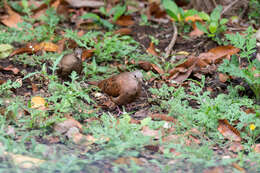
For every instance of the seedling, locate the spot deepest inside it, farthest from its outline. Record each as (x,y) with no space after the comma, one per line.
(215,25)
(246,44)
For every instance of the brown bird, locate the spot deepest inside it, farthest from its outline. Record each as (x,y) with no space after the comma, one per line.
(69,63)
(122,88)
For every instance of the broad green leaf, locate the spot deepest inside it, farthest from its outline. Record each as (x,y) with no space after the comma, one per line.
(92,16)
(118,11)
(204,16)
(171,8)
(190,13)
(215,15)
(213,27)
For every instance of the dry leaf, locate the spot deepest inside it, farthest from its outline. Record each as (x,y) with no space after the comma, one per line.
(38,102)
(223,77)
(128,160)
(219,169)
(146,131)
(239,168)
(25,162)
(125,21)
(10,68)
(163,117)
(33,48)
(12,19)
(87,53)
(151,49)
(63,127)
(229,131)
(123,31)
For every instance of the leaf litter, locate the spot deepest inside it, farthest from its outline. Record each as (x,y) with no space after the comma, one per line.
(204,64)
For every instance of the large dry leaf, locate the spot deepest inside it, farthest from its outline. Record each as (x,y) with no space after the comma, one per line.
(25,162)
(12,19)
(63,127)
(125,21)
(38,102)
(123,31)
(182,71)
(163,117)
(229,131)
(128,160)
(146,131)
(204,63)
(33,48)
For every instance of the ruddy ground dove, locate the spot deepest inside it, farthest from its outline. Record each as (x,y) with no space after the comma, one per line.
(122,88)
(69,63)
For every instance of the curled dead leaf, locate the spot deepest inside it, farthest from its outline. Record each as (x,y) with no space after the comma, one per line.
(151,49)
(125,21)
(123,31)
(229,131)
(12,19)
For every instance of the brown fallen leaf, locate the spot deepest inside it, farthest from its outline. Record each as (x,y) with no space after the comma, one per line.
(163,117)
(223,77)
(218,169)
(146,131)
(229,131)
(155,10)
(33,48)
(10,68)
(128,160)
(87,53)
(69,63)
(122,88)
(151,49)
(182,71)
(78,138)
(123,31)
(239,168)
(12,19)
(38,102)
(125,21)
(22,161)
(63,127)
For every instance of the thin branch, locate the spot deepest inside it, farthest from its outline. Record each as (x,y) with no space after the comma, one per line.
(228,7)
(174,37)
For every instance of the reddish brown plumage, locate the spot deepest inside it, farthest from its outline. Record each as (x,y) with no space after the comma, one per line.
(122,88)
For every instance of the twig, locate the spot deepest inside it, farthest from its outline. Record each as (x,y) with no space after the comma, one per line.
(174,37)
(228,7)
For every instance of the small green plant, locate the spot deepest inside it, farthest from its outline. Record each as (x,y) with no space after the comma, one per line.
(254,12)
(215,25)
(98,20)
(179,15)
(246,43)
